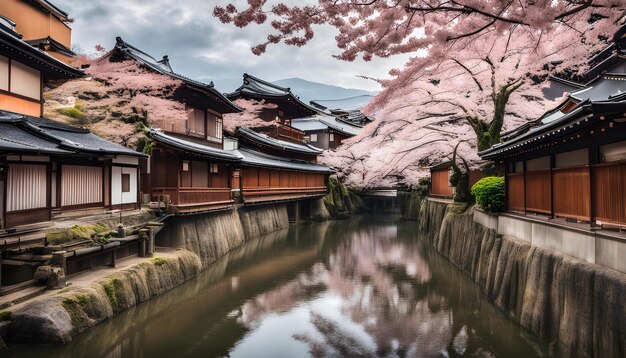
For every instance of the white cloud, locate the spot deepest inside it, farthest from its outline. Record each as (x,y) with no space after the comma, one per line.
(200,46)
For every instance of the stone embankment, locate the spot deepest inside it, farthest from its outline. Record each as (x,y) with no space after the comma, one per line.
(201,240)
(577,307)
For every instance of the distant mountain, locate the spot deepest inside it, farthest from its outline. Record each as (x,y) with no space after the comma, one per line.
(308,91)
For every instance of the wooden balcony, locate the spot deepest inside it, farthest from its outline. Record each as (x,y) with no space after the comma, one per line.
(256,195)
(188,199)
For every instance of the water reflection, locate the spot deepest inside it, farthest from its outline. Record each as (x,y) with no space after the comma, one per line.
(362,287)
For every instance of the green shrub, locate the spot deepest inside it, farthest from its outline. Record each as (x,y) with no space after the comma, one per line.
(489,193)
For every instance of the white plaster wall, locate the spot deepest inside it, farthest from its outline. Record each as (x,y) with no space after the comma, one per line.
(117,197)
(125,159)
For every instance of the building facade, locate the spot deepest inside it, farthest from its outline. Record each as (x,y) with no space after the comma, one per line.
(571,162)
(41,24)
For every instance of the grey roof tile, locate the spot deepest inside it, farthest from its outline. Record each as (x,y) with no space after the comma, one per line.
(252,157)
(277,143)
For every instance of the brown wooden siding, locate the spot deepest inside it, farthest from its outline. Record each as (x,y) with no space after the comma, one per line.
(25,217)
(609,192)
(515,192)
(441,182)
(571,188)
(538,192)
(260,184)
(195,186)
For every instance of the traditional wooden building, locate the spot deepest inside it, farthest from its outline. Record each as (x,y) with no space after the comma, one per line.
(49,169)
(571,162)
(192,176)
(287,105)
(324,131)
(273,170)
(188,165)
(41,24)
(23,71)
(440,179)
(347,110)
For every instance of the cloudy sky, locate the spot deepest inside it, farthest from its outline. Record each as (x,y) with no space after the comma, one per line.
(201,47)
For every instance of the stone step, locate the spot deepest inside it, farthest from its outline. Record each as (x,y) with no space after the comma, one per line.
(20,295)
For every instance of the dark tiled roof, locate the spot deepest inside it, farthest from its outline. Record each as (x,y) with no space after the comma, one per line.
(608,88)
(38,135)
(192,147)
(254,158)
(10,42)
(604,88)
(322,122)
(260,88)
(15,139)
(50,8)
(54,45)
(163,67)
(343,104)
(564,123)
(277,143)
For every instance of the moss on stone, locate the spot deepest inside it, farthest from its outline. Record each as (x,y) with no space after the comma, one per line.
(74,309)
(76,233)
(159,261)
(75,112)
(338,201)
(109,289)
(5,316)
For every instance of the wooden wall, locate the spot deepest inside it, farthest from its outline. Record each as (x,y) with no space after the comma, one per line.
(596,192)
(515,191)
(572,192)
(608,183)
(262,178)
(538,191)
(441,182)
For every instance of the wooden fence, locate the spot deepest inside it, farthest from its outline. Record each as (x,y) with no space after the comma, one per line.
(586,193)
(440,182)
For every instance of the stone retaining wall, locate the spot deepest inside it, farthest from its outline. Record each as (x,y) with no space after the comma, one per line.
(575,306)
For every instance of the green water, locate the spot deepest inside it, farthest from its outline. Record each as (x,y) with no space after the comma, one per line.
(364,287)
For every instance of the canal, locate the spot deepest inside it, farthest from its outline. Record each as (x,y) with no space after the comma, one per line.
(368,286)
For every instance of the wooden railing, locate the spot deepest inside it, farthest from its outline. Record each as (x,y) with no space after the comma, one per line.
(285,132)
(253,195)
(190,195)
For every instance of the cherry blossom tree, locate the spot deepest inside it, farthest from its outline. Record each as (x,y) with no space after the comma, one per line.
(117,99)
(250,117)
(465,92)
(480,67)
(386,27)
